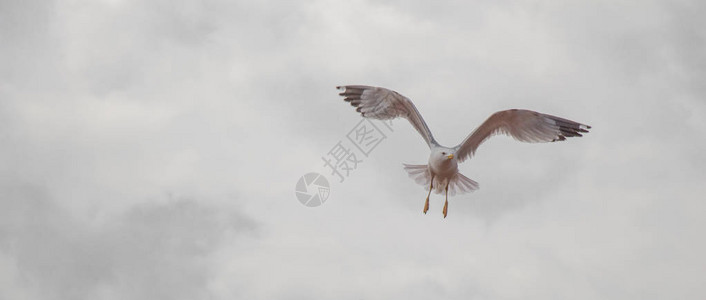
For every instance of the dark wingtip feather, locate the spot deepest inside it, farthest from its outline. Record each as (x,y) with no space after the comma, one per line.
(558,139)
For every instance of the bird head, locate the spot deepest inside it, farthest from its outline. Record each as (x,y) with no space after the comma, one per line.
(447,153)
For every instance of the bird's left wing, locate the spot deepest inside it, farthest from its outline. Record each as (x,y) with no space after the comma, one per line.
(523,125)
(383,104)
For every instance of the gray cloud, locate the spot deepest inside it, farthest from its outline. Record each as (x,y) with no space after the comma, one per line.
(109,105)
(162,250)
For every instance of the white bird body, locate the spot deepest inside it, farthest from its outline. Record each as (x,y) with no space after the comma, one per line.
(441,172)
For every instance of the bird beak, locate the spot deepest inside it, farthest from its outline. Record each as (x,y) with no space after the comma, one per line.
(451,156)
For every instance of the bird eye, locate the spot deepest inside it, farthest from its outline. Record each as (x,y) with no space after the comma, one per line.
(444,153)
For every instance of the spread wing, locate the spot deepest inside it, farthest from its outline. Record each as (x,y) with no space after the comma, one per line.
(523,125)
(383,104)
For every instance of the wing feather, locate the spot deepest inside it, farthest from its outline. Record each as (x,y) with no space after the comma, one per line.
(523,125)
(383,104)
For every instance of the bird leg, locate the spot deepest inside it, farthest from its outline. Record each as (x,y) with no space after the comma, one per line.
(446,204)
(426,203)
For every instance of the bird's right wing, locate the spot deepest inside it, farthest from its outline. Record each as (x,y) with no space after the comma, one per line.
(383,104)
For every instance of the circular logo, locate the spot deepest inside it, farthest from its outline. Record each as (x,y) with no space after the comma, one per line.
(312,189)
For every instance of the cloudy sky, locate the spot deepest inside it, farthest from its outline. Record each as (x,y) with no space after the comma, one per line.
(150,150)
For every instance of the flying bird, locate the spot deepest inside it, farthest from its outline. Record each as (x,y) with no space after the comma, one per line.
(441,173)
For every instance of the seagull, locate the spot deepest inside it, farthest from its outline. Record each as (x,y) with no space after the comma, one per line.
(441,173)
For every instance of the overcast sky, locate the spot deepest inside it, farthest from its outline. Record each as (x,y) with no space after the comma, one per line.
(150,150)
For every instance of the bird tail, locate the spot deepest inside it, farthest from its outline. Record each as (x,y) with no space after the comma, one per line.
(462,184)
(419,173)
(457,184)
